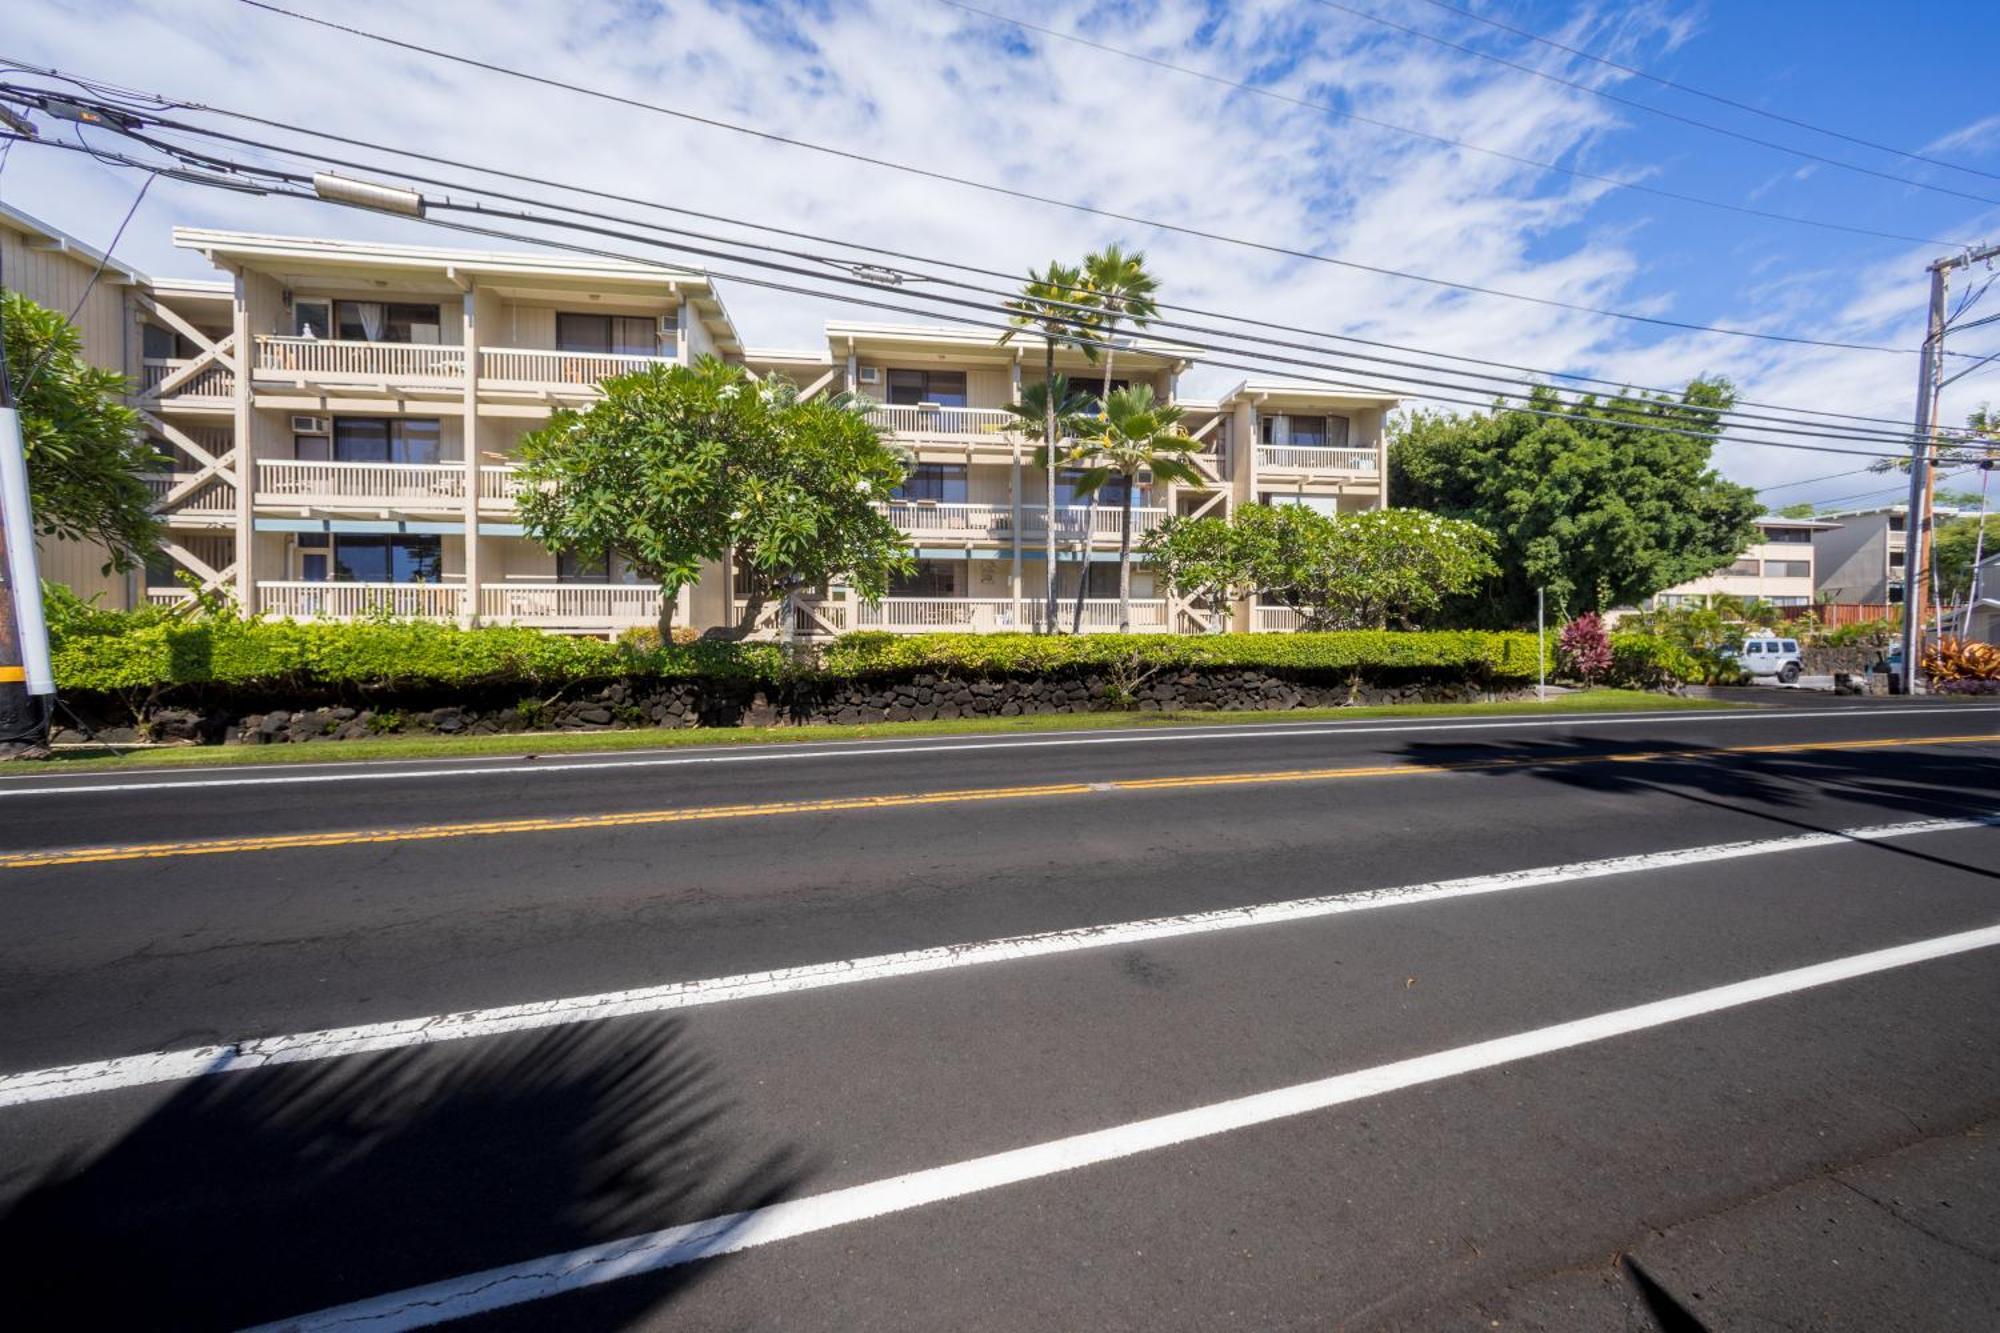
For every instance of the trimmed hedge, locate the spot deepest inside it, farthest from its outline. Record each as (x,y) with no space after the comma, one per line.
(1508,656)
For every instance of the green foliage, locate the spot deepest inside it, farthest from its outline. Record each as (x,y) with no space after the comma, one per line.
(1201,560)
(1803,509)
(1480,654)
(1602,513)
(1952,546)
(86,456)
(1649,662)
(676,466)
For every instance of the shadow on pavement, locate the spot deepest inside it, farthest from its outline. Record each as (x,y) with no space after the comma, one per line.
(1897,784)
(266,1194)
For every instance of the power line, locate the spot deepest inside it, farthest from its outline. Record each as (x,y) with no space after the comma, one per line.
(28,382)
(1713,97)
(1052,202)
(1643,106)
(1814,481)
(1358,118)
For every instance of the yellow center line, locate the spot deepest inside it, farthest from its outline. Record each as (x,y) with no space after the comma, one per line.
(897,801)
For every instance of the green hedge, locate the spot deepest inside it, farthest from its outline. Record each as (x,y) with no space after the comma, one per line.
(1649,662)
(1487,655)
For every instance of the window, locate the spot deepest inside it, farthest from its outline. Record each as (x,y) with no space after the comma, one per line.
(386,322)
(582,569)
(312,319)
(1753,648)
(382,440)
(1787,569)
(159,344)
(1789,601)
(624,335)
(943,483)
(1101,576)
(1303,432)
(1319,504)
(1744,568)
(1789,645)
(1110,495)
(372,559)
(931,578)
(946,388)
(1801,536)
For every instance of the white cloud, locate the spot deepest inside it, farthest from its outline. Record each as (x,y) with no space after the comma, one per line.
(926,84)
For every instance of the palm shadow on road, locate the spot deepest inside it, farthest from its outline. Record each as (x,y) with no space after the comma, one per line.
(266,1194)
(1773,786)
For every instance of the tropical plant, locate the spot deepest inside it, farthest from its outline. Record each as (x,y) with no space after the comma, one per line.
(1374,570)
(1055,304)
(1071,408)
(1601,501)
(1136,435)
(1201,560)
(1953,659)
(86,457)
(1584,650)
(1121,290)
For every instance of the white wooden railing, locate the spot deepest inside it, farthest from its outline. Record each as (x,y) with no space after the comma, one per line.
(808,617)
(986,423)
(915,615)
(305,482)
(209,382)
(168,596)
(336,358)
(1274,619)
(996,521)
(499,484)
(213,498)
(537,367)
(354,601)
(1298,458)
(570,605)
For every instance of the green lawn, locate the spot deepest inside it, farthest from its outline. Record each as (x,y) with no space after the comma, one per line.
(571,742)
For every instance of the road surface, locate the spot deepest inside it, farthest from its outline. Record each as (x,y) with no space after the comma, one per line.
(1676,1020)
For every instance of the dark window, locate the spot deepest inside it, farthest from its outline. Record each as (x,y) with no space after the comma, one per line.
(1787,569)
(372,559)
(384,439)
(946,388)
(312,566)
(931,578)
(1743,567)
(311,319)
(160,344)
(386,322)
(162,570)
(1110,495)
(570,565)
(1102,575)
(625,335)
(941,482)
(1798,535)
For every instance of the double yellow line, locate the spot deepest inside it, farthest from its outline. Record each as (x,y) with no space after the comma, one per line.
(902,801)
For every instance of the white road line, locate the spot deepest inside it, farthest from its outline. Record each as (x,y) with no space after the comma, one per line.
(76,1080)
(553,1275)
(364,771)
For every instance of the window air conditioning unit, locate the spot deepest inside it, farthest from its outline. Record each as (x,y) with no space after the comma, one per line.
(303,425)
(868,375)
(669,325)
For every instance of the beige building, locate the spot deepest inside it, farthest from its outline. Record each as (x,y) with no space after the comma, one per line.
(342,418)
(1778,568)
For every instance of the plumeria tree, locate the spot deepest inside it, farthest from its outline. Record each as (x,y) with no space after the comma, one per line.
(1378,569)
(1201,560)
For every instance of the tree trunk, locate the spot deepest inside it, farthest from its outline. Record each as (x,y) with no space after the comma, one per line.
(1125,560)
(1083,582)
(1049,454)
(668,597)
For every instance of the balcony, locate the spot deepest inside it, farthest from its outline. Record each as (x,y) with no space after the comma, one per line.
(213,384)
(995,522)
(498,485)
(928,421)
(541,370)
(981,615)
(360,601)
(166,597)
(1303,458)
(572,606)
(334,360)
(216,499)
(305,484)
(1275,620)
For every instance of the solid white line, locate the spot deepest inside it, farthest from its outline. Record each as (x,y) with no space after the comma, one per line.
(552,1275)
(364,771)
(127,1071)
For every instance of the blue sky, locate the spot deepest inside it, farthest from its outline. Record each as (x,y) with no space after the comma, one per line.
(922,82)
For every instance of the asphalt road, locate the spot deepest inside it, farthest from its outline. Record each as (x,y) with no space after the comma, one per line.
(1584,1024)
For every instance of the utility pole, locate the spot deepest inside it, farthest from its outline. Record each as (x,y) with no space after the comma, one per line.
(24,645)
(1917,516)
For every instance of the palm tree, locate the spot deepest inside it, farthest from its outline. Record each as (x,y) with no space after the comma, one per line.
(1056,304)
(1121,289)
(1137,435)
(1069,408)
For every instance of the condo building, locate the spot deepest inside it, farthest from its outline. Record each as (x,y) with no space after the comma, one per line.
(1778,569)
(342,420)
(1861,554)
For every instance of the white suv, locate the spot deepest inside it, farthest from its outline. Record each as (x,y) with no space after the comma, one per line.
(1769,656)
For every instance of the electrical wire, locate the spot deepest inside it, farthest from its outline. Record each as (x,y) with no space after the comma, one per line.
(1180,229)
(1639,106)
(1718,98)
(1616,182)
(155,100)
(103,260)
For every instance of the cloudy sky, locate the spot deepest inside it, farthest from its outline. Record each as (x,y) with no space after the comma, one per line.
(1268,149)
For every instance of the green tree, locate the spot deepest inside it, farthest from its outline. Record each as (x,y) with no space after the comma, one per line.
(1954,544)
(1121,290)
(86,457)
(1201,560)
(1602,501)
(1135,435)
(1070,407)
(676,466)
(1803,509)
(1055,304)
(1379,569)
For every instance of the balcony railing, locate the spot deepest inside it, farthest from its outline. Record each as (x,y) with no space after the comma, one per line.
(569,605)
(1301,458)
(339,359)
(298,481)
(809,618)
(1275,619)
(214,499)
(981,423)
(168,596)
(498,485)
(539,368)
(995,522)
(210,382)
(355,601)
(917,615)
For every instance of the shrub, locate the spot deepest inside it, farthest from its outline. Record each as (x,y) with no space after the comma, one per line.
(1649,662)
(1482,655)
(1584,649)
(1960,659)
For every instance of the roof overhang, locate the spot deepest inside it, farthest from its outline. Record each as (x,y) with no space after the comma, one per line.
(970,344)
(42,236)
(1277,393)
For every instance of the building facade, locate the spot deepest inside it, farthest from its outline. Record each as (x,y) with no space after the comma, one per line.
(1861,557)
(1778,569)
(342,419)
